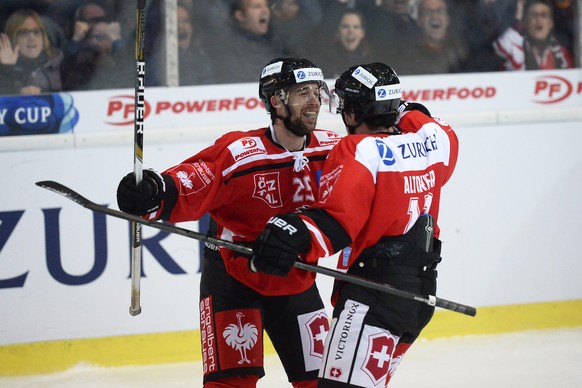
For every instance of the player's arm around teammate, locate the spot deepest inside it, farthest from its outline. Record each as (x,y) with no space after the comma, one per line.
(379,202)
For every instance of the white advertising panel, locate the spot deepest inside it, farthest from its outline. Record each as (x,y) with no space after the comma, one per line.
(510,215)
(239,106)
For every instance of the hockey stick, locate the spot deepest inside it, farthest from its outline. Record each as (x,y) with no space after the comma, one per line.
(430,300)
(135,307)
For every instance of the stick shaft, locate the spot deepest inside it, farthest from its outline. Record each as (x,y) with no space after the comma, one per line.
(430,300)
(136,249)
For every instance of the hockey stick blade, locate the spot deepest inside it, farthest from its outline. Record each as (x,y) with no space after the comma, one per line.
(430,300)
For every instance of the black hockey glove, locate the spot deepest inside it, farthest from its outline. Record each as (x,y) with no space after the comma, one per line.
(143,198)
(278,246)
(409,105)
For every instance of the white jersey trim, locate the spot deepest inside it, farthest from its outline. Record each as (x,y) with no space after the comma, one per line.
(318,236)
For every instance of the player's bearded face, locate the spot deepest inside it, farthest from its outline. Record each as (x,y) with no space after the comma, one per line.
(304,103)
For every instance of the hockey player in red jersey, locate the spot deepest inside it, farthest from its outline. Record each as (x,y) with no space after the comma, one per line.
(242,180)
(379,202)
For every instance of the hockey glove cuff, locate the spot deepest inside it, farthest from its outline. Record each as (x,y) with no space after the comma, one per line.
(280,244)
(409,105)
(143,198)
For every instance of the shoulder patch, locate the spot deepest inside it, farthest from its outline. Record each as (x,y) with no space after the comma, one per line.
(246,147)
(327,138)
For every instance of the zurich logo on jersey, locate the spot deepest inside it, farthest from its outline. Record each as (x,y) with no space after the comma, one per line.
(300,75)
(386,153)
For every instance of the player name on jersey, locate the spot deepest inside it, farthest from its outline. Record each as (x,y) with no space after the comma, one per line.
(419,183)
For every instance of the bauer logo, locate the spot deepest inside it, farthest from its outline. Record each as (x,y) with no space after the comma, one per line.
(551,89)
(37,114)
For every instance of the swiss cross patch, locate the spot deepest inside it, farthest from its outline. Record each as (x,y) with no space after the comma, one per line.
(317,327)
(335,372)
(380,349)
(267,189)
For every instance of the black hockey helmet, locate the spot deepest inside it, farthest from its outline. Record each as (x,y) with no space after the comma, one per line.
(282,73)
(371,91)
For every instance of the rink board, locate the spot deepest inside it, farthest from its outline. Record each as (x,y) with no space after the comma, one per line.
(162,348)
(510,220)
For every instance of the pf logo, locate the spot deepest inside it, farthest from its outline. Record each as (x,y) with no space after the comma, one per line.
(551,89)
(248,142)
(317,327)
(121,110)
(380,349)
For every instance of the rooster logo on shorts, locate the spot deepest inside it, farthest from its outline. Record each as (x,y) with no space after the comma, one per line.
(241,337)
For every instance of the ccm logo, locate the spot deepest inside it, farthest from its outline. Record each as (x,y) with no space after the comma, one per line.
(283,225)
(551,89)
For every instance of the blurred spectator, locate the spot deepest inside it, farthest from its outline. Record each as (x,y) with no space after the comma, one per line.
(439,49)
(348,47)
(28,62)
(480,23)
(54,30)
(196,66)
(531,44)
(85,17)
(565,22)
(332,11)
(294,22)
(248,42)
(96,65)
(390,27)
(55,33)
(216,14)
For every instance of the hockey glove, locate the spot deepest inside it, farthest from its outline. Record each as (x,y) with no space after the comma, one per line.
(279,245)
(409,105)
(143,198)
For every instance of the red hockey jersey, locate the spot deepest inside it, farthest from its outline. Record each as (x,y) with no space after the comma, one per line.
(242,180)
(378,185)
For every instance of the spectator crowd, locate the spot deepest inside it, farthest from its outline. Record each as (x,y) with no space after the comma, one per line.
(56,45)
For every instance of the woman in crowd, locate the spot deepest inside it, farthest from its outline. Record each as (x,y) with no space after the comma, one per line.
(29,64)
(348,47)
(531,44)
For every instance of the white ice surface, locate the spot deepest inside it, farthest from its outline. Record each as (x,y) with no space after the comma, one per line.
(535,359)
